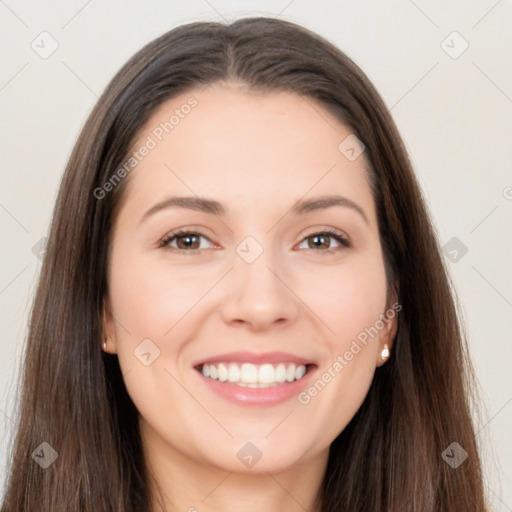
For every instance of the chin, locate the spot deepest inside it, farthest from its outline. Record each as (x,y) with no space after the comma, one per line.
(256,458)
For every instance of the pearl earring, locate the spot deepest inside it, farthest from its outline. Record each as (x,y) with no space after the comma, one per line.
(104,344)
(384,355)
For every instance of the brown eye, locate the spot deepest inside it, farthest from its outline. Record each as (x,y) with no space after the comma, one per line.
(322,240)
(187,241)
(190,241)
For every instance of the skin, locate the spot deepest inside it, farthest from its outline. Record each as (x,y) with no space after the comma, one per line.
(257,154)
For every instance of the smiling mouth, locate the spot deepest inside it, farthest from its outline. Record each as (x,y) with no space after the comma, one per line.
(255,375)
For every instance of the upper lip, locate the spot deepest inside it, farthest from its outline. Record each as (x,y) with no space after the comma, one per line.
(254,358)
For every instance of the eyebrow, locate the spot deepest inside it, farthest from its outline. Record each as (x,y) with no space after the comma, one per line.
(214,207)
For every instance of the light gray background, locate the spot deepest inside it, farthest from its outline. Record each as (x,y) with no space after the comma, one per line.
(455,116)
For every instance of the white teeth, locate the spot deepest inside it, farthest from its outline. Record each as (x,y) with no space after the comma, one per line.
(233,373)
(214,373)
(254,376)
(223,372)
(249,373)
(280,373)
(266,374)
(300,372)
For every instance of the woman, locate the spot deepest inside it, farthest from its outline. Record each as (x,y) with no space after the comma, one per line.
(243,304)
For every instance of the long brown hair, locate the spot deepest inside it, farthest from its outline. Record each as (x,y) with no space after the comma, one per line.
(72,395)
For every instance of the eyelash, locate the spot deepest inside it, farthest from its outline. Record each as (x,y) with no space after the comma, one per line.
(345,242)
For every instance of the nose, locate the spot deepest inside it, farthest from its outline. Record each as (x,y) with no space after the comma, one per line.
(259,294)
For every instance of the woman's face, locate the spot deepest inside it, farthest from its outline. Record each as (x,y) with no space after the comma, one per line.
(256,284)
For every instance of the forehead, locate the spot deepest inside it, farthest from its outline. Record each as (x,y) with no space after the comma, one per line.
(247,147)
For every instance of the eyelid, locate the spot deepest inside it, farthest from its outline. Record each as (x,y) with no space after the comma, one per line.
(341,237)
(325,229)
(166,239)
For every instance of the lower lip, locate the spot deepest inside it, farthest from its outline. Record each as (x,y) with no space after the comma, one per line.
(258,396)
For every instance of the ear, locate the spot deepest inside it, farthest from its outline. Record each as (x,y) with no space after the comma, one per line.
(109,332)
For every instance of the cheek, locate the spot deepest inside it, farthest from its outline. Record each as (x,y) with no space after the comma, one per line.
(150,302)
(351,302)
(150,296)
(347,299)
(156,301)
